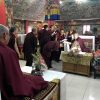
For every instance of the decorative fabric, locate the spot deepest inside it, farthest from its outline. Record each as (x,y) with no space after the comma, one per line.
(52,10)
(45,92)
(79,59)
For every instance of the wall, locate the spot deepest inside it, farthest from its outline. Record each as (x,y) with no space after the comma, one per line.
(78,25)
(29,9)
(20,25)
(86,10)
(9,12)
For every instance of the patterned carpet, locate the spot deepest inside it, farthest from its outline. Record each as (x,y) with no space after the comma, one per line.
(44,92)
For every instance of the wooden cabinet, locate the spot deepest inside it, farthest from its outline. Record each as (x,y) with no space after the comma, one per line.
(76,64)
(75,68)
(68,67)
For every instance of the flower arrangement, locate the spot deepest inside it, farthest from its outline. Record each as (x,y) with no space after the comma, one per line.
(39,64)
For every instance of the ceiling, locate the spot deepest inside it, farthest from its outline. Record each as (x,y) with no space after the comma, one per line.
(35,9)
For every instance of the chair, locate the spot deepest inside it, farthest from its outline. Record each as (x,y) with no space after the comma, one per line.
(96,66)
(97,42)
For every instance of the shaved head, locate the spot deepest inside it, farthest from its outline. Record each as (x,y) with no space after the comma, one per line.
(3,29)
(76,35)
(4,34)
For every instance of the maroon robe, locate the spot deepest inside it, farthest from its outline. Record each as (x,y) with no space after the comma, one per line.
(82,45)
(43,37)
(49,47)
(60,37)
(13,83)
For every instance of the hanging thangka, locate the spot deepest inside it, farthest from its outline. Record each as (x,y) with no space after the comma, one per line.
(9,12)
(53,10)
(47,11)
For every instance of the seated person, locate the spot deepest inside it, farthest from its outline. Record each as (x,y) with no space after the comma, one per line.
(79,43)
(76,47)
(14,85)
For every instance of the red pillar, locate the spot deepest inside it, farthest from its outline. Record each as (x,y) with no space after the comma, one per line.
(2,13)
(26,27)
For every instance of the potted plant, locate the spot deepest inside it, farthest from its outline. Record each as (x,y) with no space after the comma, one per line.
(38,66)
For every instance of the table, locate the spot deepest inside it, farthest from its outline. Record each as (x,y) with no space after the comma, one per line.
(50,75)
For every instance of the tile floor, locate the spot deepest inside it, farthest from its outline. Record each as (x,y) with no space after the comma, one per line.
(78,87)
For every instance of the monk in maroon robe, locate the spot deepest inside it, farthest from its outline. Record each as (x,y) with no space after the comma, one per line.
(81,43)
(48,49)
(14,85)
(43,37)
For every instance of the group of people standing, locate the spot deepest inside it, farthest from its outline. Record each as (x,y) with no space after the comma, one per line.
(50,43)
(47,44)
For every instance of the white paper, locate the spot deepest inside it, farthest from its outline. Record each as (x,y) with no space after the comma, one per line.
(26,69)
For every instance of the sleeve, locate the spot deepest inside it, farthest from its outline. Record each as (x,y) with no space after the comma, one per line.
(55,46)
(34,44)
(1,66)
(11,42)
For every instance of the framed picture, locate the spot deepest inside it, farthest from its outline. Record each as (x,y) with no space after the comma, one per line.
(89,41)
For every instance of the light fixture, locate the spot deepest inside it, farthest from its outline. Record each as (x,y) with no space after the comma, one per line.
(60,2)
(80,1)
(91,97)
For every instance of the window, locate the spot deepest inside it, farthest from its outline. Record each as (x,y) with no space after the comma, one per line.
(86,28)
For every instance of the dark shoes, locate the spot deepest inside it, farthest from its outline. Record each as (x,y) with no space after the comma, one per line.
(58,61)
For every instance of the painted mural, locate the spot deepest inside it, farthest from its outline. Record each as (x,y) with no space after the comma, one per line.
(82,10)
(29,9)
(20,25)
(9,12)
